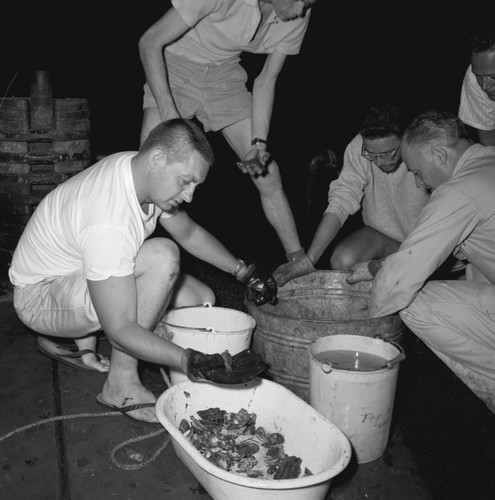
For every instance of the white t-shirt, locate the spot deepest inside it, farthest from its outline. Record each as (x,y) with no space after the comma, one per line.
(92,221)
(476,108)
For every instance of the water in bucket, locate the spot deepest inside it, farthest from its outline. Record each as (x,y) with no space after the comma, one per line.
(357,395)
(351,360)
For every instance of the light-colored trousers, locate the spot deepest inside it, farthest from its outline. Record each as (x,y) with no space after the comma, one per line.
(456,320)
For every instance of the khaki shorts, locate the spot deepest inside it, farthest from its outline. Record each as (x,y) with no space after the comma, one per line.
(215,94)
(58,306)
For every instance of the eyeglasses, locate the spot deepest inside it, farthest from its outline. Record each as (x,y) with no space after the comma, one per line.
(374,157)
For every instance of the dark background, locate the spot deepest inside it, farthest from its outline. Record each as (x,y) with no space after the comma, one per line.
(352,54)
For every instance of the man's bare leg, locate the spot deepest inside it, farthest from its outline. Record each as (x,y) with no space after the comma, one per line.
(273,199)
(361,245)
(151,118)
(157,268)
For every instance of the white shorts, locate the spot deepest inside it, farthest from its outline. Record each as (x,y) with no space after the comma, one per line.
(58,306)
(215,94)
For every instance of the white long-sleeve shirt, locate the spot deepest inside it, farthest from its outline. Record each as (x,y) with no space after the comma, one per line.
(390,203)
(459,219)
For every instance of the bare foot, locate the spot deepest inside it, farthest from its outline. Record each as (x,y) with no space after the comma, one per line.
(90,360)
(67,355)
(132,394)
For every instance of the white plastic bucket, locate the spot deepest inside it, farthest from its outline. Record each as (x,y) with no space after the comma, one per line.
(322,446)
(206,329)
(359,402)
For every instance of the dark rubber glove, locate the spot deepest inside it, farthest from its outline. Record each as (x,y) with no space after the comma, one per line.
(292,270)
(259,289)
(223,368)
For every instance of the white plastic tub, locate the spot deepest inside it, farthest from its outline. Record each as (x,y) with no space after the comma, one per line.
(322,446)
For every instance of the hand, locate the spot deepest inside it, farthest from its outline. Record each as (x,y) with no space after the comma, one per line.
(259,289)
(255,163)
(223,368)
(292,270)
(360,272)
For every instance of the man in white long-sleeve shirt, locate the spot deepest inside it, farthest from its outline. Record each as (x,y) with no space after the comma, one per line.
(456,319)
(373,178)
(477,106)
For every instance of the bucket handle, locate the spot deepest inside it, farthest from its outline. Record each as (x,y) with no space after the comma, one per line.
(400,357)
(209,329)
(326,366)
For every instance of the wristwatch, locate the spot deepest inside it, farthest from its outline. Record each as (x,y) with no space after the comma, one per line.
(240,265)
(257,141)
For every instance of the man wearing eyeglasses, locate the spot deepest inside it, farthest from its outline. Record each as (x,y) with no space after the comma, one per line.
(374,179)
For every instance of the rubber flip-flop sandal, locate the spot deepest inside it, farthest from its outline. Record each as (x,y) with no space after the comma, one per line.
(126,409)
(73,359)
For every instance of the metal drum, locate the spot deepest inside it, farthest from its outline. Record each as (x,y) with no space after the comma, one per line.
(314,306)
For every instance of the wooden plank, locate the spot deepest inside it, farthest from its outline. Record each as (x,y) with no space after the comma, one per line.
(67,132)
(14,116)
(70,104)
(14,147)
(71,167)
(11,168)
(15,187)
(80,146)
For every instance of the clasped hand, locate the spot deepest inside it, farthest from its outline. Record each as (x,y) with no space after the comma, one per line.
(360,272)
(255,163)
(224,368)
(259,289)
(292,270)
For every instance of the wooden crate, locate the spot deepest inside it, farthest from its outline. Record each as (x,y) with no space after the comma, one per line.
(43,142)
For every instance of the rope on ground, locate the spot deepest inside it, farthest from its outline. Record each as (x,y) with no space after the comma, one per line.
(121,465)
(56,419)
(140,438)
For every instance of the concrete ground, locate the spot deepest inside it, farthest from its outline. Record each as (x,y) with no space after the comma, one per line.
(56,442)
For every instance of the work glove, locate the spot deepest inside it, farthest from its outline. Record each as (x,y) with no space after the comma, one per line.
(292,270)
(223,368)
(260,289)
(364,271)
(255,163)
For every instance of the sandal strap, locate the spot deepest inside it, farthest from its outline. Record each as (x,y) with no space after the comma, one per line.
(138,406)
(78,354)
